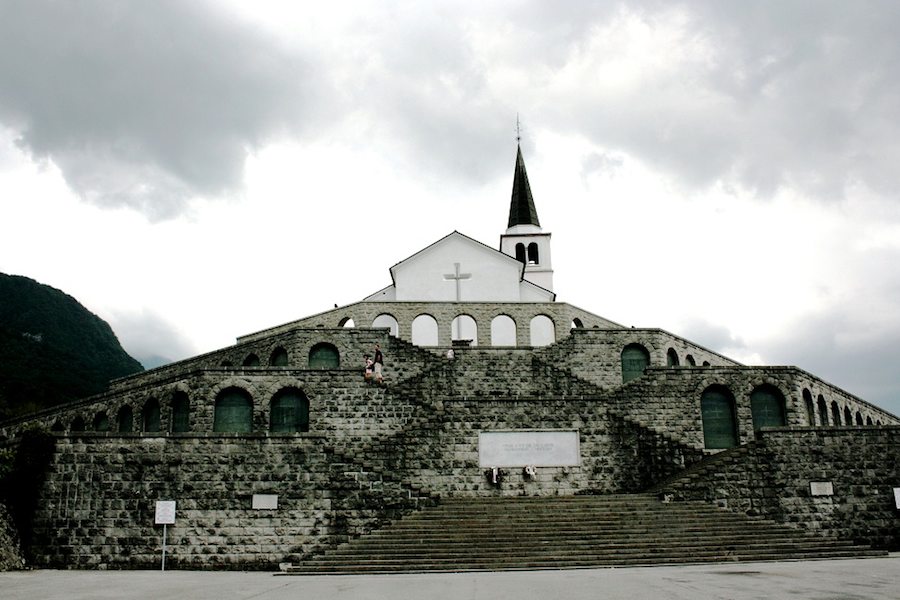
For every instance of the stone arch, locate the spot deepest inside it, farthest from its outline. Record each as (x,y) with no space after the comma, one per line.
(823,410)
(690,360)
(878,423)
(718,415)
(101,421)
(233,411)
(226,363)
(77,424)
(810,407)
(347,322)
(672,358)
(848,416)
(252,360)
(767,406)
(542,330)
(58,427)
(835,413)
(534,257)
(389,321)
(181,413)
(503,331)
(289,411)
(425,330)
(869,420)
(125,419)
(706,363)
(859,419)
(151,421)
(279,357)
(577,323)
(634,358)
(464,327)
(324,356)
(520,253)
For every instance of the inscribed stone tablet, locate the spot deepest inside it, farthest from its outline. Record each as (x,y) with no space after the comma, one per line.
(821,488)
(522,448)
(265,501)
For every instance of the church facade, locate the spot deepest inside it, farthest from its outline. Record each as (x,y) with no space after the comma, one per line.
(277,448)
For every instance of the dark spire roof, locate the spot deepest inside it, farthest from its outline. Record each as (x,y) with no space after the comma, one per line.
(521,208)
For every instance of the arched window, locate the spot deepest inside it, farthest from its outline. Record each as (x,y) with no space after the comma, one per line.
(464,327)
(503,331)
(425,331)
(101,421)
(835,413)
(233,412)
(690,360)
(77,424)
(386,320)
(577,323)
(717,412)
(878,423)
(520,253)
(848,416)
(347,322)
(767,407)
(810,408)
(324,356)
(533,257)
(543,332)
(252,360)
(125,419)
(227,363)
(150,416)
(672,358)
(289,412)
(868,420)
(635,359)
(859,419)
(705,363)
(823,410)
(279,357)
(181,413)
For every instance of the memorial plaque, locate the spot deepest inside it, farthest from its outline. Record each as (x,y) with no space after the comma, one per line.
(821,488)
(897,497)
(521,448)
(265,501)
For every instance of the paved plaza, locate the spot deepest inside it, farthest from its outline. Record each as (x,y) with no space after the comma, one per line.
(831,579)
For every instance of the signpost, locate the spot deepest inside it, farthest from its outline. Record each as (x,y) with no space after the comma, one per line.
(165,515)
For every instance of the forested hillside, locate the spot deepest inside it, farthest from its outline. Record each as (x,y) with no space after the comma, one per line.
(52,349)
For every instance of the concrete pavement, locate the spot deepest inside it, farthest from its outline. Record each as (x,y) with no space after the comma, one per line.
(831,579)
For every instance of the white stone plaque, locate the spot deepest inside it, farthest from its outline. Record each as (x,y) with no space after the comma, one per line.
(265,501)
(897,497)
(165,512)
(821,488)
(526,447)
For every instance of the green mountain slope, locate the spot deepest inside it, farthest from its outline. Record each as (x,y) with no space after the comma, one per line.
(52,349)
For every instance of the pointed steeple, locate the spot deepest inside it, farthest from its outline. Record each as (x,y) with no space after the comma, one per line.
(521,207)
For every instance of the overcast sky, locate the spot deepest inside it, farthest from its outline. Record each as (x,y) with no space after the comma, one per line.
(727,171)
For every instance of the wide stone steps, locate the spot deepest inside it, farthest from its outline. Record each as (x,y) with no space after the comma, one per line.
(570,532)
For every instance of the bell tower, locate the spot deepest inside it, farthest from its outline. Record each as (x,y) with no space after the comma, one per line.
(524,239)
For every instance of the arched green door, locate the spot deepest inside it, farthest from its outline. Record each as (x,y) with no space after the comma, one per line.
(324,356)
(289,412)
(767,407)
(234,412)
(717,409)
(635,359)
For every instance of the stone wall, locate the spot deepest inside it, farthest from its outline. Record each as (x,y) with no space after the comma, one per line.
(772,476)
(10,552)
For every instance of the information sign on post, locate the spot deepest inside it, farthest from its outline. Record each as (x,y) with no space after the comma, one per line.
(165,515)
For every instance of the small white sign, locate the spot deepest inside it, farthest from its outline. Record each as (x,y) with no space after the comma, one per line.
(897,497)
(165,512)
(265,501)
(821,488)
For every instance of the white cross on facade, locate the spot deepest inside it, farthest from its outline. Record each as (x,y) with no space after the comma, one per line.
(457,276)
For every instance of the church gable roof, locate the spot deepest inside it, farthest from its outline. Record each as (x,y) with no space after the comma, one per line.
(447,239)
(521,206)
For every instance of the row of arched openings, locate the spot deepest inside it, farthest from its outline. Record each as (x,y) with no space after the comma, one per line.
(233,412)
(321,356)
(528,255)
(821,413)
(425,329)
(718,413)
(635,358)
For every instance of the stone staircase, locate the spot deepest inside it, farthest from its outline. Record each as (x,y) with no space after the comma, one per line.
(511,533)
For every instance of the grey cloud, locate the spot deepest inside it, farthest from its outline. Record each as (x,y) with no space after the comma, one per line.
(146,104)
(712,336)
(148,337)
